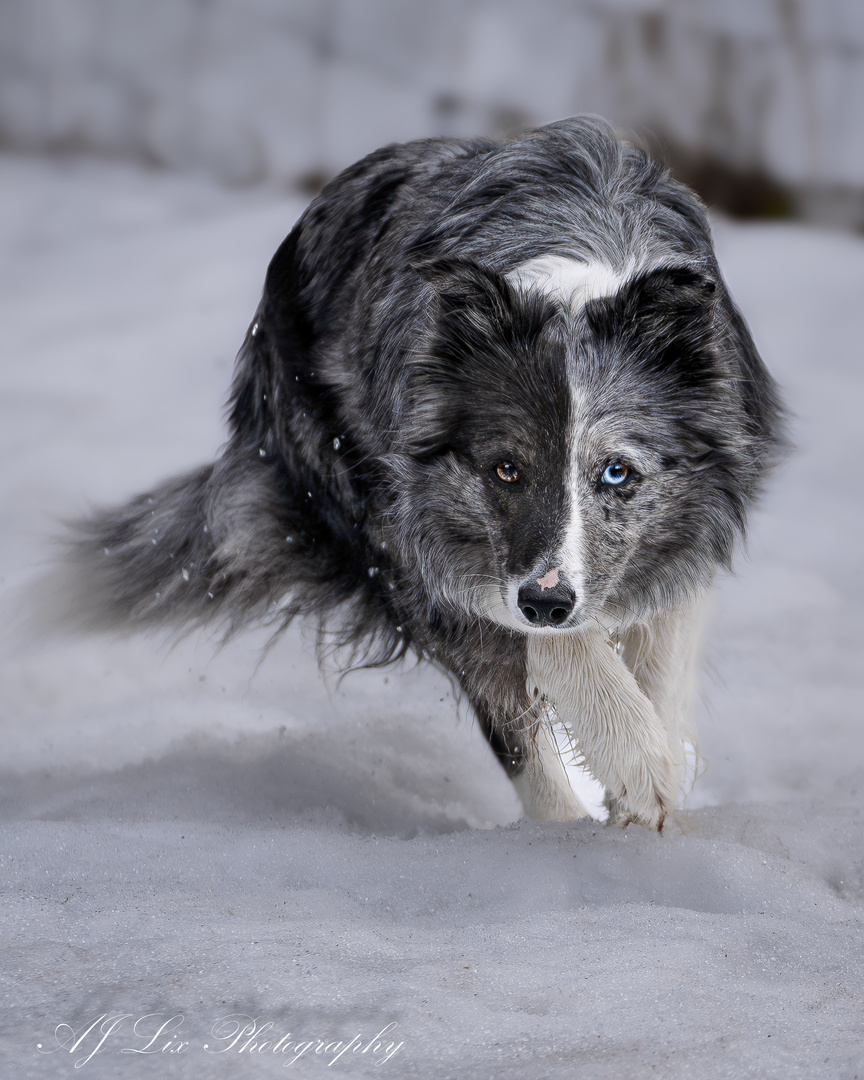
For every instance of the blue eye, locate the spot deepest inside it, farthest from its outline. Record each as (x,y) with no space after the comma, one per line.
(614,474)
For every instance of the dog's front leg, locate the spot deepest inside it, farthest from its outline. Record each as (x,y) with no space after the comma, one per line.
(663,653)
(625,744)
(491,670)
(542,783)
(525,746)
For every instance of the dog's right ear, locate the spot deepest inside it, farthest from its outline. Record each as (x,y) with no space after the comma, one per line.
(459,285)
(480,314)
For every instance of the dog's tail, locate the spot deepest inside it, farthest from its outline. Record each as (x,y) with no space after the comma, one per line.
(228,543)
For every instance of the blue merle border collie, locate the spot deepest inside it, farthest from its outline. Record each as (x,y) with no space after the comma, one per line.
(497,407)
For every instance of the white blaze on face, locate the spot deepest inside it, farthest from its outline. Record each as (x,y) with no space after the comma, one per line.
(572,283)
(570,555)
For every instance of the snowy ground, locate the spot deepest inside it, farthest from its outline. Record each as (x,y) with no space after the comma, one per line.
(188,834)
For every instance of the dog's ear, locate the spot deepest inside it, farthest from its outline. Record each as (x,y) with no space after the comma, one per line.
(479,310)
(459,285)
(679,284)
(675,308)
(665,320)
(677,294)
(677,298)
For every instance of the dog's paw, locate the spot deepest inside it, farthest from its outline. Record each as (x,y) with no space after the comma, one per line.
(620,814)
(642,778)
(643,787)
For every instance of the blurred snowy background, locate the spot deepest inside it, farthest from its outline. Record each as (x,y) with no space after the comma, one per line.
(215,833)
(757,100)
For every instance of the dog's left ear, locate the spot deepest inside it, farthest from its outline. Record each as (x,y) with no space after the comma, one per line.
(676,291)
(662,312)
(676,294)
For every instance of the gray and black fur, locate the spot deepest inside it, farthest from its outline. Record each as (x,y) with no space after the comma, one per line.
(399,358)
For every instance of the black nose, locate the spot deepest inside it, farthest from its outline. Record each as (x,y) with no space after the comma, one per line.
(546,607)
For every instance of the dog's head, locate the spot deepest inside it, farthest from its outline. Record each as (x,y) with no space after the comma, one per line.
(580,444)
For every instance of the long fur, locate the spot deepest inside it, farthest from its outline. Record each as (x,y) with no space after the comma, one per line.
(445,314)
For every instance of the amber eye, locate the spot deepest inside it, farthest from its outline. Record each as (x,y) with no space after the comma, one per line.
(507,471)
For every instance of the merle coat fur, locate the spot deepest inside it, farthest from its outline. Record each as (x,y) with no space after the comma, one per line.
(497,407)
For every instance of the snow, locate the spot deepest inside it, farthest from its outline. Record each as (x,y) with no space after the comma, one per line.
(224,837)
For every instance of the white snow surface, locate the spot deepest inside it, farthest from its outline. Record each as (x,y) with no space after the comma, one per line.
(190,834)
